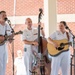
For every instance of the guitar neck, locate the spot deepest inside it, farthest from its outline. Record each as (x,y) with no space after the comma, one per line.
(8,36)
(67,43)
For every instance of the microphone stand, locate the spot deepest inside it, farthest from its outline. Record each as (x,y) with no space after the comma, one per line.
(73,56)
(9,22)
(12,45)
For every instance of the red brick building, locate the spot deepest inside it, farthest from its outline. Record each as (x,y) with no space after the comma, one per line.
(29,8)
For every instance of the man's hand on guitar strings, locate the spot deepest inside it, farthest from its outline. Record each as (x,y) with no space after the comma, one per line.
(55,44)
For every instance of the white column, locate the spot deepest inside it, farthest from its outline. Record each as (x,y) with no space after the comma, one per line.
(50,16)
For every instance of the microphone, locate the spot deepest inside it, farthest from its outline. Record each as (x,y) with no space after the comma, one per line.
(41,10)
(9,22)
(6,19)
(66,27)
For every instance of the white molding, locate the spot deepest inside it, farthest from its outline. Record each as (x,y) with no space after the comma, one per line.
(66,17)
(21,19)
(60,17)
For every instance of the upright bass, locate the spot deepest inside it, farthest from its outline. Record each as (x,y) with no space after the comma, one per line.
(42,45)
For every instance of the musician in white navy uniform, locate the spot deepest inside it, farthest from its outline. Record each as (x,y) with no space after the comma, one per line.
(30,34)
(4,28)
(62,60)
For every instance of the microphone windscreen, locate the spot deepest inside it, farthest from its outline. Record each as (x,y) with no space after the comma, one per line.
(6,19)
(66,27)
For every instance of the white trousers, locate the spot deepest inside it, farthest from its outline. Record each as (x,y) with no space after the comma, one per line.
(28,59)
(61,61)
(3,59)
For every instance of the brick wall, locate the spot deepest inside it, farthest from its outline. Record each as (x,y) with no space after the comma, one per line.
(66,6)
(30,8)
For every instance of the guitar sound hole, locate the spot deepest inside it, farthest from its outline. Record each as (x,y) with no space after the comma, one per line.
(60,48)
(62,44)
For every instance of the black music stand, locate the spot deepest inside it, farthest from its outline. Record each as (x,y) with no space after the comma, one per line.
(9,22)
(73,56)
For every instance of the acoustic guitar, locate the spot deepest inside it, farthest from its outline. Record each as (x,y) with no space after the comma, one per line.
(7,37)
(63,45)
